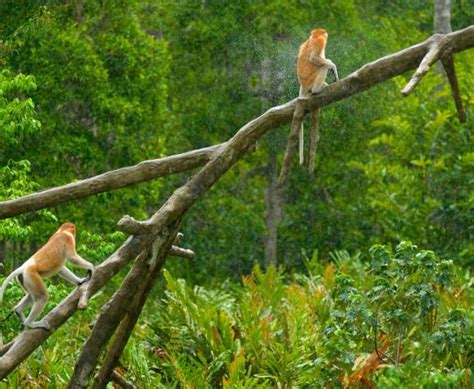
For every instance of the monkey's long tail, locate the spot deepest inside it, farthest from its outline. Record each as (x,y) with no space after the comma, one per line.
(301,144)
(9,279)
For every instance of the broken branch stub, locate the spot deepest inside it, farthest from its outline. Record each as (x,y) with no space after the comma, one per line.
(176,251)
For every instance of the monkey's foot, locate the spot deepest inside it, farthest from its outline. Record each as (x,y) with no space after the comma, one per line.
(38,324)
(86,278)
(319,89)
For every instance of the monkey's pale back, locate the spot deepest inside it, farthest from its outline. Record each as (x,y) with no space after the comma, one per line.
(309,73)
(50,258)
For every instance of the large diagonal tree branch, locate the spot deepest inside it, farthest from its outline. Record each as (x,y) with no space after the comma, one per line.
(222,160)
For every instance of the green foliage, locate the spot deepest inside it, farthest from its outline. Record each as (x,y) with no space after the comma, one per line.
(99,84)
(17,120)
(277,329)
(418,171)
(16,113)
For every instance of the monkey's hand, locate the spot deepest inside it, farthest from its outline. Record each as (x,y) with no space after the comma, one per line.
(86,278)
(333,69)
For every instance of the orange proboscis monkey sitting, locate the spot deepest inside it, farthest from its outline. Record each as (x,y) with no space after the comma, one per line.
(48,260)
(312,67)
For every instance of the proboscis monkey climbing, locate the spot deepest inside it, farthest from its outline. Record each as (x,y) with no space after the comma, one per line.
(47,261)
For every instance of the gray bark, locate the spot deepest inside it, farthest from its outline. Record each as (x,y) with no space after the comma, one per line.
(114,179)
(273,212)
(442,17)
(142,274)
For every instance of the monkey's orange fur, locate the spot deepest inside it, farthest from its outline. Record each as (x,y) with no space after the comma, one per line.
(48,260)
(310,72)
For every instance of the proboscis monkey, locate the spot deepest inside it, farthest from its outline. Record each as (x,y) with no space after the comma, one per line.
(312,67)
(48,260)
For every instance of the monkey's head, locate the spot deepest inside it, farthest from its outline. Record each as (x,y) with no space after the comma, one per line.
(68,227)
(319,32)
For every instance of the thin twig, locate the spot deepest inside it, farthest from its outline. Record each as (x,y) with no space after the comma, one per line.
(399,345)
(121,381)
(376,348)
(176,251)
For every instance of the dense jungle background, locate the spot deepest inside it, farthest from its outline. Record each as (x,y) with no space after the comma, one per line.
(376,246)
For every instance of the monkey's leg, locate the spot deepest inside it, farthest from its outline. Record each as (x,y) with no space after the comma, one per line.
(304,94)
(22,305)
(333,69)
(36,288)
(313,139)
(69,276)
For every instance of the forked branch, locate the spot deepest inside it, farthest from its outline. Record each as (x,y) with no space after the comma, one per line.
(437,48)
(440,48)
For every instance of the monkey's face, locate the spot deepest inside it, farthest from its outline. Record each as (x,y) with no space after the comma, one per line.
(319,32)
(69,227)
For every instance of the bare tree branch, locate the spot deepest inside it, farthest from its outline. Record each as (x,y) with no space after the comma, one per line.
(138,282)
(221,161)
(436,50)
(122,382)
(114,179)
(176,251)
(123,333)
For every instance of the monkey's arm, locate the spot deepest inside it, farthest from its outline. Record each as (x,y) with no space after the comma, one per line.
(317,60)
(69,276)
(333,68)
(78,261)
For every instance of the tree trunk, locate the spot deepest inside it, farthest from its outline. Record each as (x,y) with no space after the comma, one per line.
(137,282)
(442,17)
(273,212)
(442,25)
